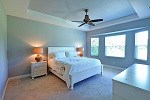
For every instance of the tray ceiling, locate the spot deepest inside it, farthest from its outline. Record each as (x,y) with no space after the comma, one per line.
(62,12)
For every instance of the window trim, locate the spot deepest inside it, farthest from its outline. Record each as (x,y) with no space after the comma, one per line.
(137,59)
(124,47)
(91,46)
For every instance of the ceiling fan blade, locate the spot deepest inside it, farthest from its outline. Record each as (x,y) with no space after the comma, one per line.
(87,20)
(97,20)
(90,23)
(81,24)
(77,21)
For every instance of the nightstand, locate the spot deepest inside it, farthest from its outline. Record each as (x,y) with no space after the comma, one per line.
(38,68)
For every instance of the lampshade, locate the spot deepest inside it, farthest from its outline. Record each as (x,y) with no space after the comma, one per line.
(38,50)
(80,49)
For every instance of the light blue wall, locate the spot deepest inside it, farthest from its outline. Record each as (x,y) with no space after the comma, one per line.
(24,34)
(129,53)
(3,49)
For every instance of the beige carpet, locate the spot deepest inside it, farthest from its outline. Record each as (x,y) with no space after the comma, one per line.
(52,88)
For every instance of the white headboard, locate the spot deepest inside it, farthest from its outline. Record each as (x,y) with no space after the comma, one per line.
(55,49)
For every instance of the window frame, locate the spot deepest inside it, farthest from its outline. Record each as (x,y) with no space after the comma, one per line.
(135,50)
(124,55)
(91,46)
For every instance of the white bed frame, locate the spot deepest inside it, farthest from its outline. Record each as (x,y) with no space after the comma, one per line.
(78,76)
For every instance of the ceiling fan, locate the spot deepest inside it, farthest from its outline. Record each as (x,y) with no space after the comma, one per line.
(87,20)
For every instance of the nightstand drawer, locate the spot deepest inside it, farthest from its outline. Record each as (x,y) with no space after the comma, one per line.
(40,68)
(39,64)
(40,72)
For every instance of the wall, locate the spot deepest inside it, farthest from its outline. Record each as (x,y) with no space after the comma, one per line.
(3,50)
(24,34)
(129,51)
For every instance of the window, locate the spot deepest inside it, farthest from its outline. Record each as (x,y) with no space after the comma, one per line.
(115,46)
(94,46)
(141,41)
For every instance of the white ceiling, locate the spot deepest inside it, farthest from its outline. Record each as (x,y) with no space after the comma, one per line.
(62,12)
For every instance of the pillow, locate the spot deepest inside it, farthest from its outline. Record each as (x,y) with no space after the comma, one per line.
(59,54)
(71,53)
(51,55)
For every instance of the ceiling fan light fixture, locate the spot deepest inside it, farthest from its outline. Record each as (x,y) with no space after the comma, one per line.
(87,20)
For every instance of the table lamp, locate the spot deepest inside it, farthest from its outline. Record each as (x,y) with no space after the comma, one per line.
(80,51)
(38,50)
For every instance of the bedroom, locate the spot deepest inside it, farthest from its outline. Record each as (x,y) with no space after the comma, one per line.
(19,35)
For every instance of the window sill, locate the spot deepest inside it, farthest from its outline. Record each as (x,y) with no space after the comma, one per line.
(115,57)
(94,55)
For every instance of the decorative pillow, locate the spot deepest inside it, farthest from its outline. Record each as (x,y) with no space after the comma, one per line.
(59,54)
(71,53)
(51,56)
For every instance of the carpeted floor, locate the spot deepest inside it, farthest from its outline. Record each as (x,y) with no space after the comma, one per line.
(52,88)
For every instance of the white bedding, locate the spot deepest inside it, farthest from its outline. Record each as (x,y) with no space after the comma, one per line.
(75,64)
(71,65)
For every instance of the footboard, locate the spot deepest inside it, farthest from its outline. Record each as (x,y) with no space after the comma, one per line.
(77,77)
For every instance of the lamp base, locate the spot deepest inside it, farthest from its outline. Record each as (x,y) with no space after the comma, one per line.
(38,58)
(80,54)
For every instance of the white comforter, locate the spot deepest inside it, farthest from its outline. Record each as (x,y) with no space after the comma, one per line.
(76,64)
(69,66)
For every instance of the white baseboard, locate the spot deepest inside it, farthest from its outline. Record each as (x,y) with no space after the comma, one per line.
(4,90)
(18,77)
(114,67)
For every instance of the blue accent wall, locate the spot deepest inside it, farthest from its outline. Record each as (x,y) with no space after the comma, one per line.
(129,28)
(3,50)
(24,34)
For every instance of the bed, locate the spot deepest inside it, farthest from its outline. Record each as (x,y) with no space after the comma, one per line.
(64,63)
